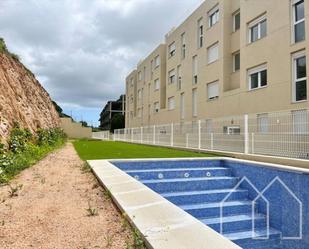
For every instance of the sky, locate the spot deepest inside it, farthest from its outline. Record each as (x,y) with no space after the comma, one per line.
(82,50)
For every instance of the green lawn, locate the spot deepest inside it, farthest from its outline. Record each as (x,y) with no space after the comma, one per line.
(92,149)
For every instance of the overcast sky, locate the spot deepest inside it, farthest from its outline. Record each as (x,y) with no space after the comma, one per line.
(82,50)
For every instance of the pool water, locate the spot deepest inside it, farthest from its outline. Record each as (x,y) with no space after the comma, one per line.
(256,206)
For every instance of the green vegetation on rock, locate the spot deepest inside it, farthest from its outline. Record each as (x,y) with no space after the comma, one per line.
(25,148)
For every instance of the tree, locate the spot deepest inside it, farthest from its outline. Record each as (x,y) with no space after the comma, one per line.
(117,122)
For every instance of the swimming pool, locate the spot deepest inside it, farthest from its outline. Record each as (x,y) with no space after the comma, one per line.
(253,204)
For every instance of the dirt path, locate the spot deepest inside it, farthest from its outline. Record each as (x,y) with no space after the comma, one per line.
(50,208)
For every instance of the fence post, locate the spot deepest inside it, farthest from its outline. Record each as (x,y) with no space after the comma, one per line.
(199,134)
(211,141)
(252,143)
(131,134)
(246,134)
(154,134)
(172,134)
(187,140)
(141,134)
(114,137)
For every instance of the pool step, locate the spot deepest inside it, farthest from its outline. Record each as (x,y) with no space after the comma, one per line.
(194,197)
(236,222)
(212,209)
(200,190)
(246,237)
(191,184)
(169,173)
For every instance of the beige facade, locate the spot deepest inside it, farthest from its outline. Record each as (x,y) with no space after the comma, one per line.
(213,65)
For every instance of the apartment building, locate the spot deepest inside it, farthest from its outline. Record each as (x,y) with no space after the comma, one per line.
(146,89)
(227,58)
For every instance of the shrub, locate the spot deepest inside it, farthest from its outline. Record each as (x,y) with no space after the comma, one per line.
(24,149)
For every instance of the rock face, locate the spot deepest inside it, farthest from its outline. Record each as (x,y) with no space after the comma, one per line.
(23,99)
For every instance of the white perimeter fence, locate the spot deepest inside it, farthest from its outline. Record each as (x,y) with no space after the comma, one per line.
(103,135)
(284,134)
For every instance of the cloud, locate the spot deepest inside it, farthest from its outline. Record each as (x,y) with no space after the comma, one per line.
(82,50)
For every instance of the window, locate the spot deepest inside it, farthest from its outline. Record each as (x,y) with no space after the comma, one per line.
(194,102)
(152,68)
(183,46)
(131,114)
(182,105)
(172,49)
(194,69)
(139,75)
(257,29)
(131,99)
(236,21)
(300,121)
(157,61)
(262,123)
(179,78)
(213,90)
(157,84)
(171,76)
(200,33)
(213,16)
(236,62)
(298,20)
(139,112)
(132,82)
(139,94)
(231,130)
(171,103)
(156,107)
(257,77)
(299,77)
(213,53)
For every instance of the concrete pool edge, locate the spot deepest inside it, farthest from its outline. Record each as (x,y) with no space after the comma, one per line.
(162,224)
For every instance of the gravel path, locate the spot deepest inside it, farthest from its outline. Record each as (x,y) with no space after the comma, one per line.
(49,210)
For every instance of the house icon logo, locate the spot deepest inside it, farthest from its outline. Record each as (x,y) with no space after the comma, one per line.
(268,209)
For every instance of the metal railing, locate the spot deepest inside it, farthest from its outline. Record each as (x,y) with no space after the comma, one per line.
(284,134)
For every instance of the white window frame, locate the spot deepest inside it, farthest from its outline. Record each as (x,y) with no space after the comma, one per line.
(214,12)
(194,70)
(209,50)
(139,75)
(171,76)
(258,22)
(213,85)
(172,49)
(295,79)
(194,102)
(234,21)
(183,45)
(156,107)
(200,33)
(171,103)
(294,22)
(230,130)
(157,61)
(234,61)
(156,84)
(254,70)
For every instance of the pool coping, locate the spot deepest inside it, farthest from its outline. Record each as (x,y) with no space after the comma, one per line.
(162,224)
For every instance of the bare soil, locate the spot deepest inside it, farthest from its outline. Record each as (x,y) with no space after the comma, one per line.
(49,209)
